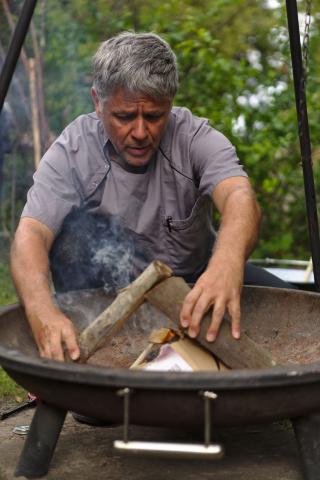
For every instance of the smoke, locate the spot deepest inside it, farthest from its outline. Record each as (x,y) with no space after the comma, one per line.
(94,251)
(83,306)
(121,257)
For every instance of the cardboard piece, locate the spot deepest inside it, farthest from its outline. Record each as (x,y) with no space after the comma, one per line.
(198,358)
(184,355)
(168,360)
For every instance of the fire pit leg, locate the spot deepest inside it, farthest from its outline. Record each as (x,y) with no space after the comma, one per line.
(40,443)
(307,432)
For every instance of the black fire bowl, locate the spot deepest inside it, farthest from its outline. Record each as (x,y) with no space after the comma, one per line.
(286,322)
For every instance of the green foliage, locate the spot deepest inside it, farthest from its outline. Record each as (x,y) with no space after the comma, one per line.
(17,172)
(234,64)
(235,69)
(7,291)
(8,388)
(67,68)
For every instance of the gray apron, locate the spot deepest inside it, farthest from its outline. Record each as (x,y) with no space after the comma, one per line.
(134,216)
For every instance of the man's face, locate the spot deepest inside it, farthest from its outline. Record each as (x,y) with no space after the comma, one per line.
(134,124)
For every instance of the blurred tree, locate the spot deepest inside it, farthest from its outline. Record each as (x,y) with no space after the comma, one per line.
(235,69)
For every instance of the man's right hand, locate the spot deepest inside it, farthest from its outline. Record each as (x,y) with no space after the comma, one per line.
(55,335)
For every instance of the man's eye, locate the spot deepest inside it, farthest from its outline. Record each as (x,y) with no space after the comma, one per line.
(153,117)
(124,117)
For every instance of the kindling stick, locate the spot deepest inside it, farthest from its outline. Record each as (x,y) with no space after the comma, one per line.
(168,297)
(127,301)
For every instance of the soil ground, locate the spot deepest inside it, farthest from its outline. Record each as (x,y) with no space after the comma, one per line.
(85,452)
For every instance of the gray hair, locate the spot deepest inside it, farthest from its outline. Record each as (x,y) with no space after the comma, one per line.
(140,63)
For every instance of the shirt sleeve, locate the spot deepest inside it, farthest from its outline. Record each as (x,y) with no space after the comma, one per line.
(213,159)
(54,193)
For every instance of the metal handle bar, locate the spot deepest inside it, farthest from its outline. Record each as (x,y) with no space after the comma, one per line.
(176,450)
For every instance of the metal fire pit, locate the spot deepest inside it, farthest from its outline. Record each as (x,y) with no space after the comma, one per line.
(285,322)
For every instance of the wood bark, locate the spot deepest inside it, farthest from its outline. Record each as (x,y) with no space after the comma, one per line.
(127,301)
(38,52)
(34,110)
(168,297)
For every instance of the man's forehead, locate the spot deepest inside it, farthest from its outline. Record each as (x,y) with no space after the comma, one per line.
(123,100)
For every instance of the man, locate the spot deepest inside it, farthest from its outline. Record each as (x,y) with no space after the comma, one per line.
(155,168)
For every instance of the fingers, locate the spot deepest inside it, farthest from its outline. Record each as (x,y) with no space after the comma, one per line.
(49,344)
(198,302)
(71,344)
(200,309)
(217,317)
(188,306)
(195,305)
(235,313)
(218,312)
(52,337)
(56,350)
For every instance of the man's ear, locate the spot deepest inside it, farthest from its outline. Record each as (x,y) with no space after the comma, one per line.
(96,102)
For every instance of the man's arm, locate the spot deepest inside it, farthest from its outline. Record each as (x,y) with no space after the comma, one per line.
(220,285)
(30,272)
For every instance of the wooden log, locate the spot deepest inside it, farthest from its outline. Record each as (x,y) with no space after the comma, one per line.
(168,297)
(126,302)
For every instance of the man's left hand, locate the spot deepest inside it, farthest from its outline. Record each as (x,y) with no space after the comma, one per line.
(220,287)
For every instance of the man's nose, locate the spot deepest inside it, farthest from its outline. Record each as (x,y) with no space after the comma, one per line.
(139,131)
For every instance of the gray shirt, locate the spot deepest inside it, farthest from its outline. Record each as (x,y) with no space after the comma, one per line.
(169,202)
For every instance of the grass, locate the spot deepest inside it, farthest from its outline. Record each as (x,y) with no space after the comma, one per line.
(8,388)
(7,291)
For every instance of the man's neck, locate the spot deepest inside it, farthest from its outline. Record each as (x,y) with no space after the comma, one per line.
(119,160)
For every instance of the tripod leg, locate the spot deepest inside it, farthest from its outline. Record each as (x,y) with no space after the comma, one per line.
(41,441)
